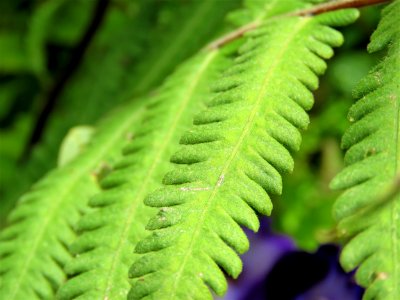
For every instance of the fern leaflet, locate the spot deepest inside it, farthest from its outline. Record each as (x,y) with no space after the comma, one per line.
(373,165)
(232,159)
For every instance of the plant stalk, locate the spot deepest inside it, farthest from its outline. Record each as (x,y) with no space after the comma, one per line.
(315,10)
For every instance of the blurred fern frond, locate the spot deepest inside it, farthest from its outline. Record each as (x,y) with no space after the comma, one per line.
(372,168)
(34,245)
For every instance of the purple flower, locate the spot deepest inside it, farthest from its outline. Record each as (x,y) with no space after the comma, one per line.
(275,270)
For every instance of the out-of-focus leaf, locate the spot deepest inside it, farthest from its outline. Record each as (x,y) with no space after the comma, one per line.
(70,22)
(12,58)
(8,91)
(74,143)
(348,69)
(40,23)
(11,144)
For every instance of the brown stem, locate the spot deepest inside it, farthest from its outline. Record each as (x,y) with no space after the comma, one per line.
(316,10)
(335,5)
(233,35)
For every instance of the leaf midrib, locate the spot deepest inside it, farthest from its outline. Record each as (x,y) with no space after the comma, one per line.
(199,222)
(395,207)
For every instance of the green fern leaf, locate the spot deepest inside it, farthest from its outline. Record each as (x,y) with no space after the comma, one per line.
(108,234)
(33,248)
(232,158)
(368,211)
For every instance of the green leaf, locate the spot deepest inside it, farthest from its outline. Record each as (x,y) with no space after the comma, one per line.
(37,33)
(33,248)
(103,251)
(232,158)
(74,143)
(13,58)
(368,211)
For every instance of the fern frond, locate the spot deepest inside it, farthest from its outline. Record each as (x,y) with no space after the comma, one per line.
(34,246)
(108,234)
(232,159)
(368,214)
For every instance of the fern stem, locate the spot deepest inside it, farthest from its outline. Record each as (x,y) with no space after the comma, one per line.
(335,5)
(395,204)
(231,36)
(315,10)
